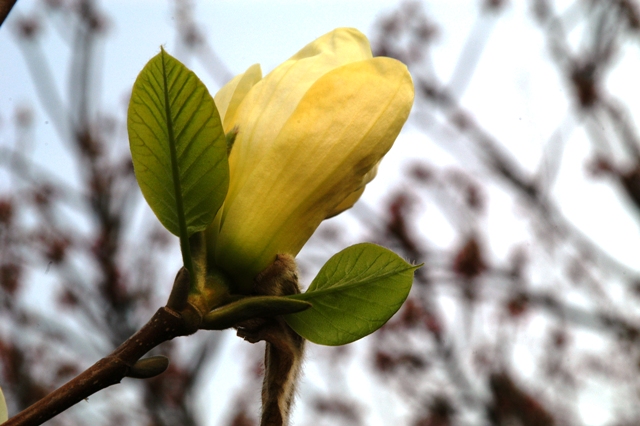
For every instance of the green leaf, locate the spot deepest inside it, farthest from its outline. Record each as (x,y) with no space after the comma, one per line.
(178,146)
(354,294)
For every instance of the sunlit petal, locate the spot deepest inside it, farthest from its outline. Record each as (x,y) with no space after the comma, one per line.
(271,102)
(339,130)
(348,202)
(4,413)
(233,93)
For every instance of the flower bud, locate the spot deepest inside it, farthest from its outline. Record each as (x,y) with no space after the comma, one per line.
(310,136)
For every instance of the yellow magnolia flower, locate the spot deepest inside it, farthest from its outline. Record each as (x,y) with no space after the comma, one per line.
(4,413)
(310,136)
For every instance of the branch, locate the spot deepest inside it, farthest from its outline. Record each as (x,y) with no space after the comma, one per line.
(163,326)
(179,318)
(5,8)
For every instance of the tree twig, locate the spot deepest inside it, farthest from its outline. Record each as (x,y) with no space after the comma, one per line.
(5,8)
(168,322)
(163,326)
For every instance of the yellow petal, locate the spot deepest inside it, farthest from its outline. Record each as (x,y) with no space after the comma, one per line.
(231,95)
(341,128)
(341,43)
(227,100)
(271,102)
(224,95)
(4,413)
(348,202)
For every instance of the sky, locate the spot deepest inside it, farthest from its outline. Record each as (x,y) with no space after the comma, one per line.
(507,88)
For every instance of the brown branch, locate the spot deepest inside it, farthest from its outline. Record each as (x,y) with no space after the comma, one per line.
(179,318)
(5,8)
(163,326)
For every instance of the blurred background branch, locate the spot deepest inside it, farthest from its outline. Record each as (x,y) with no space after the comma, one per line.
(516,182)
(5,8)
